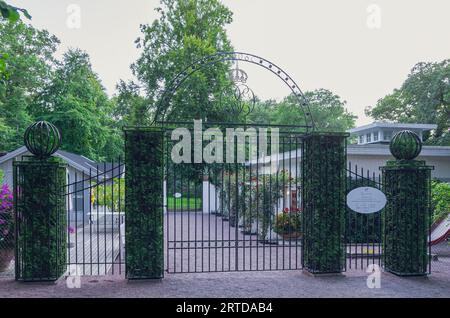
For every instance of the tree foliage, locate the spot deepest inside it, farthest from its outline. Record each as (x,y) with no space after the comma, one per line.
(185,31)
(328,111)
(29,65)
(76,102)
(12,13)
(424,98)
(440,199)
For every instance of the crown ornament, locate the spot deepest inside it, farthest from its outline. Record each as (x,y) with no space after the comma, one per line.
(238,76)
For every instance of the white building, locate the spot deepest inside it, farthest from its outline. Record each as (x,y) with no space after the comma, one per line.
(370,153)
(382,132)
(80,172)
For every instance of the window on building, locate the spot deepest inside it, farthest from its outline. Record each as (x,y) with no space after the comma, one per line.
(368,138)
(361,139)
(387,135)
(375,136)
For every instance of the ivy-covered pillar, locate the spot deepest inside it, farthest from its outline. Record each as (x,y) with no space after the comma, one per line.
(323,168)
(144,203)
(40,209)
(407,215)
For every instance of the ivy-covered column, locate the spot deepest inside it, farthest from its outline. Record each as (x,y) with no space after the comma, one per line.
(144,203)
(40,209)
(407,184)
(323,167)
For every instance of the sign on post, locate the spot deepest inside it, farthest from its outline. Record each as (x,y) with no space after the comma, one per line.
(366,200)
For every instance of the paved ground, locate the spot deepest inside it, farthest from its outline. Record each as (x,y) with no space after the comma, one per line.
(239,284)
(242,284)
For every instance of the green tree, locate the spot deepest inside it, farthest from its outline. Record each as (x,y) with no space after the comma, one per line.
(130,107)
(12,14)
(29,65)
(440,199)
(328,111)
(424,98)
(185,31)
(76,102)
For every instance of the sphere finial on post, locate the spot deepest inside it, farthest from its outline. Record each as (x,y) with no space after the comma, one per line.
(405,145)
(42,139)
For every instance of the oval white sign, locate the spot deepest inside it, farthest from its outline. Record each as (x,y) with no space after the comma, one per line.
(366,200)
(177,195)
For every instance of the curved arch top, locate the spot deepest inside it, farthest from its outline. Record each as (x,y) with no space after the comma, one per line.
(173,86)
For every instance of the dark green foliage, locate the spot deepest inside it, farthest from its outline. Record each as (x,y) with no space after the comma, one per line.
(407,217)
(144,204)
(39,199)
(29,59)
(328,110)
(76,102)
(424,97)
(324,196)
(440,199)
(185,31)
(12,13)
(405,145)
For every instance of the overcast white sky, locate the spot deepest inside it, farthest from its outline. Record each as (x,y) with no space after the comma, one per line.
(320,43)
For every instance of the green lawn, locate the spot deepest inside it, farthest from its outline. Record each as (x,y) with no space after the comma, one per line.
(183,204)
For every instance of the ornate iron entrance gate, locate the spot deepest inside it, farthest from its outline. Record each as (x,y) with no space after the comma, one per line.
(239,216)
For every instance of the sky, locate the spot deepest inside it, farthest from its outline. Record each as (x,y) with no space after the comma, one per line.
(359,49)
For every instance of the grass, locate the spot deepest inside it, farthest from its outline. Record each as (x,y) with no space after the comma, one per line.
(184,204)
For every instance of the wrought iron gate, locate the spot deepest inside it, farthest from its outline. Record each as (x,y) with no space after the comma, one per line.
(363,231)
(243,216)
(95,217)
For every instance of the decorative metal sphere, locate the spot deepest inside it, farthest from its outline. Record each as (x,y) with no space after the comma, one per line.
(405,145)
(42,139)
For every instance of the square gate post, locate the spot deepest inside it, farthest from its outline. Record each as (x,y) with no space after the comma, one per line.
(407,217)
(323,169)
(40,219)
(144,203)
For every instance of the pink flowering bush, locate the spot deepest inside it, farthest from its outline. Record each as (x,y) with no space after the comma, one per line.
(6,215)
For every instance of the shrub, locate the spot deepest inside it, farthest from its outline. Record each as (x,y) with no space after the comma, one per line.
(440,199)
(288,222)
(110,195)
(6,217)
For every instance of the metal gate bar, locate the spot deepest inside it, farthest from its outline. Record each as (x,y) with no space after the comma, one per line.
(221,217)
(363,231)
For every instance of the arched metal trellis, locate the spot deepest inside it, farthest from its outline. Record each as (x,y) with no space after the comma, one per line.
(178,80)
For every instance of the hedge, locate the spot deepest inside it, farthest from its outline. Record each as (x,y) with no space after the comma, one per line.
(407,217)
(39,203)
(144,203)
(324,178)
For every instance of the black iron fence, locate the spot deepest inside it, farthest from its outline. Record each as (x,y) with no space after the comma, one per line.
(96,219)
(363,231)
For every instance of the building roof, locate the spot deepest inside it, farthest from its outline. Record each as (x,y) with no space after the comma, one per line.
(78,162)
(382,124)
(366,149)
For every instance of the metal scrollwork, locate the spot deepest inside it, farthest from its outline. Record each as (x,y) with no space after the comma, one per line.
(172,87)
(42,139)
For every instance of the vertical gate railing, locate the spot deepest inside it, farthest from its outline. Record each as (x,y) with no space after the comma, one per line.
(95,217)
(222,217)
(363,231)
